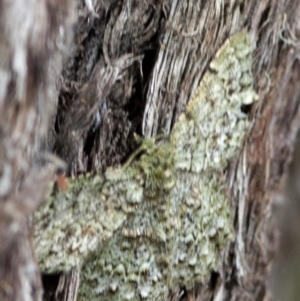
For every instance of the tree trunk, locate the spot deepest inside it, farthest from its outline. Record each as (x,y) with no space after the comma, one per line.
(31,33)
(132,68)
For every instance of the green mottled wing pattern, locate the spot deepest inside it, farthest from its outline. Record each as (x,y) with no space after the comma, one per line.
(71,225)
(160,221)
(177,242)
(213,127)
(68,227)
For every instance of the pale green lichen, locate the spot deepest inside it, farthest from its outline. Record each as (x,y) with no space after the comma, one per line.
(160,221)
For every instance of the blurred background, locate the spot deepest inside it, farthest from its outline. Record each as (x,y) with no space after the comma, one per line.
(285,280)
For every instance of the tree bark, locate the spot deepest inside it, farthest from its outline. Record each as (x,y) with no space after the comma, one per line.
(132,68)
(31,33)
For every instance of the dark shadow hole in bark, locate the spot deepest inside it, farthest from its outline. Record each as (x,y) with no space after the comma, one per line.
(183,294)
(242,7)
(246,108)
(264,17)
(231,255)
(214,276)
(90,139)
(56,124)
(248,217)
(89,142)
(148,63)
(136,104)
(50,283)
(235,218)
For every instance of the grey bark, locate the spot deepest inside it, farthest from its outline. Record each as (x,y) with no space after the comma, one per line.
(32,34)
(134,65)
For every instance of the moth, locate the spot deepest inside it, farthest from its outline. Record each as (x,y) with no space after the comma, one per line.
(161,220)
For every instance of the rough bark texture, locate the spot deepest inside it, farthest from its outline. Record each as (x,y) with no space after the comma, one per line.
(31,36)
(134,66)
